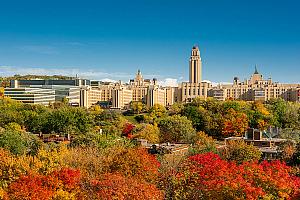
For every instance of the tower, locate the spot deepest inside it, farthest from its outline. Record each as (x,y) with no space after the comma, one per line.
(139,78)
(195,66)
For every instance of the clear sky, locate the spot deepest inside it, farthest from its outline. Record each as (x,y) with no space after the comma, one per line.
(112,39)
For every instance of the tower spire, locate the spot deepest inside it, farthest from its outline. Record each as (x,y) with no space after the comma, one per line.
(195,66)
(256,71)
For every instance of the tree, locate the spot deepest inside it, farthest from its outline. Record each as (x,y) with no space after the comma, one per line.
(128,130)
(240,152)
(19,142)
(197,116)
(135,162)
(207,176)
(35,186)
(176,108)
(137,107)
(68,120)
(149,132)
(116,186)
(157,111)
(278,107)
(1,92)
(235,123)
(176,129)
(203,144)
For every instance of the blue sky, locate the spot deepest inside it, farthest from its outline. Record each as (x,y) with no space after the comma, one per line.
(112,39)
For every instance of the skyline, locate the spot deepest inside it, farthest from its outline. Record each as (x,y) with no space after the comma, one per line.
(100,40)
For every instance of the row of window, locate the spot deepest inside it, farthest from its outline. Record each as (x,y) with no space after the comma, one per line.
(194,91)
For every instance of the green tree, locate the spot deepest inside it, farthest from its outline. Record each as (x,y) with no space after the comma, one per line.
(149,132)
(157,110)
(176,108)
(69,120)
(176,129)
(19,142)
(240,152)
(203,144)
(137,107)
(278,107)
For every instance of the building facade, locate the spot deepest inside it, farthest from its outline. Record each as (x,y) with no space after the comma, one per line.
(195,87)
(31,95)
(86,93)
(256,89)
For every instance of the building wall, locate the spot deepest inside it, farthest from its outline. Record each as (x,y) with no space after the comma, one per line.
(255,89)
(189,91)
(121,98)
(31,95)
(156,95)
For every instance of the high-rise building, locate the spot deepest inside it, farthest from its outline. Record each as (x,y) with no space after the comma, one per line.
(195,87)
(195,66)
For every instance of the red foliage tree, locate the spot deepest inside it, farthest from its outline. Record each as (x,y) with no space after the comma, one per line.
(32,186)
(42,187)
(68,178)
(207,176)
(127,130)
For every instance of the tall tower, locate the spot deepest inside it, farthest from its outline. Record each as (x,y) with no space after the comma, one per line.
(195,66)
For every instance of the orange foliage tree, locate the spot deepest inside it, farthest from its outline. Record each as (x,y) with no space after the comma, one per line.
(235,123)
(39,187)
(117,186)
(136,162)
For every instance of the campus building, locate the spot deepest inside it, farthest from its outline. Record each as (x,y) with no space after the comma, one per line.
(85,93)
(76,91)
(195,87)
(256,89)
(31,95)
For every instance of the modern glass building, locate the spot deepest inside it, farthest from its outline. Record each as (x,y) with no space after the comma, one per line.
(31,95)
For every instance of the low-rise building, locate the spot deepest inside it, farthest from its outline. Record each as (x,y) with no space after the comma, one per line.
(31,95)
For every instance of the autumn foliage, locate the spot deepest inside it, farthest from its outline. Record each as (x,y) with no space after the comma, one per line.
(117,186)
(136,163)
(235,123)
(127,130)
(207,176)
(42,187)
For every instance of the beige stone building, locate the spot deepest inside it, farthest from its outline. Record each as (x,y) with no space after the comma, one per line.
(256,89)
(81,92)
(156,95)
(149,92)
(195,87)
(138,89)
(121,97)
